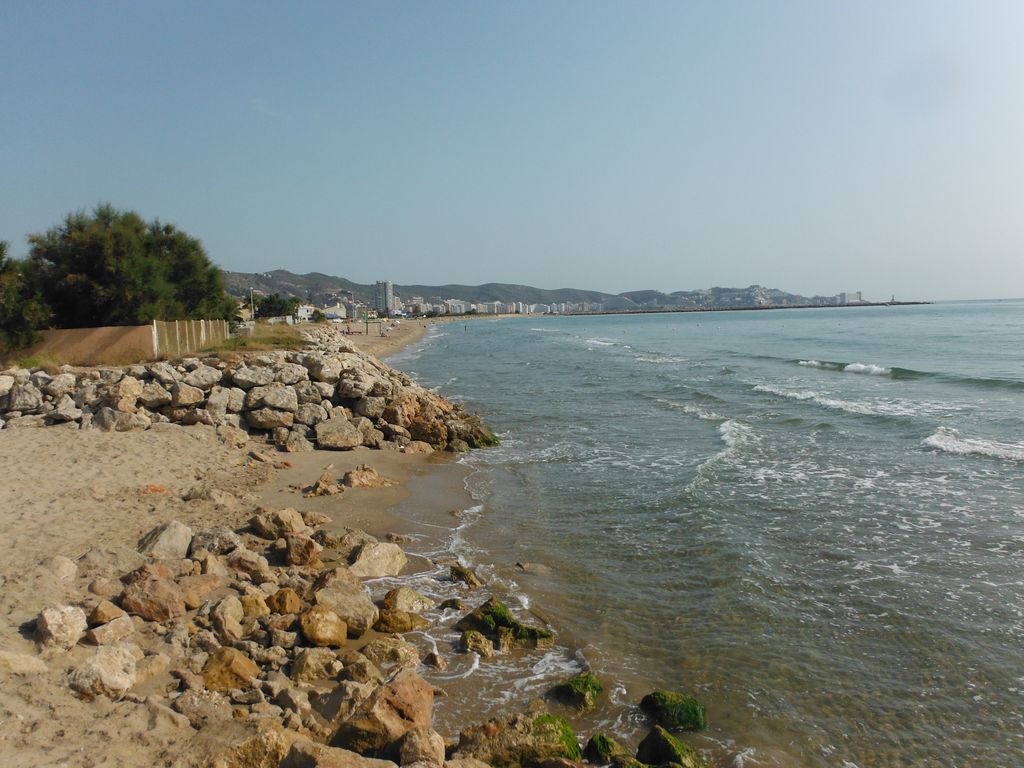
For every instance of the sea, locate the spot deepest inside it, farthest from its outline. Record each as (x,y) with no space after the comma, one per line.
(811,520)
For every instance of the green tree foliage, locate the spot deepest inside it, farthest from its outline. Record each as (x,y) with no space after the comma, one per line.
(22,309)
(113,268)
(276,305)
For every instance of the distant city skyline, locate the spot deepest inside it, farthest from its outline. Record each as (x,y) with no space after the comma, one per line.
(818,148)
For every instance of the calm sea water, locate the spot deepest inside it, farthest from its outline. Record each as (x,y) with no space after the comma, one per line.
(813,520)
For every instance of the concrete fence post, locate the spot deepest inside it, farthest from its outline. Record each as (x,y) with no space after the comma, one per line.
(156,342)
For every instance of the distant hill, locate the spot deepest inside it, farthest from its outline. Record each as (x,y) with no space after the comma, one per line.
(320,289)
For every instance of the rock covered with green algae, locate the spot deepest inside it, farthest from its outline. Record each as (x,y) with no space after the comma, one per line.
(675,710)
(601,749)
(522,740)
(580,691)
(492,616)
(660,747)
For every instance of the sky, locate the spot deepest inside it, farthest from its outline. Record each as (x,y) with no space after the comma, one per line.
(816,147)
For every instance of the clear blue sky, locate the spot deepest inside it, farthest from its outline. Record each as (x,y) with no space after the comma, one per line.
(811,146)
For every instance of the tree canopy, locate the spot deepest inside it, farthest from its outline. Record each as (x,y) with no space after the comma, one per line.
(22,309)
(276,305)
(113,268)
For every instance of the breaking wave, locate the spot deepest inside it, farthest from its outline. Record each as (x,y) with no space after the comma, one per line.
(949,440)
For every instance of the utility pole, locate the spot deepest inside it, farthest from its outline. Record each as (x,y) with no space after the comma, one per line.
(252,306)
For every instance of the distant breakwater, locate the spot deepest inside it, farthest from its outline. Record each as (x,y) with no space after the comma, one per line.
(670,310)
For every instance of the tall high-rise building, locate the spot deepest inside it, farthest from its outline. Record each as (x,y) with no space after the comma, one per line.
(385,299)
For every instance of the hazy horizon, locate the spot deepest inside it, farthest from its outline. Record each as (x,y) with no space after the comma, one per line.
(812,148)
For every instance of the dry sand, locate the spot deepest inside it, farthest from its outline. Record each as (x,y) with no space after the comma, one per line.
(69,492)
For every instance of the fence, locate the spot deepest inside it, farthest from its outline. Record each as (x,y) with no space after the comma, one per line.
(118,345)
(180,337)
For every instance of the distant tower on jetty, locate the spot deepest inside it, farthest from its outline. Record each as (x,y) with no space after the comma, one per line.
(385,299)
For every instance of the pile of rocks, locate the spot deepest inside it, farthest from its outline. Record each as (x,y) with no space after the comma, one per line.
(259,625)
(330,396)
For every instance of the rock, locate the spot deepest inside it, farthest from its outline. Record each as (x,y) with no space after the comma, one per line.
(254,605)
(285,601)
(404,702)
(351,603)
(313,519)
(675,710)
(104,612)
(160,714)
(6,383)
(164,372)
(371,407)
(227,669)
(308,754)
(227,617)
(372,561)
(110,672)
(474,642)
(219,541)
(155,599)
(524,739)
(465,762)
(601,749)
(203,377)
(24,397)
(275,396)
(493,615)
(194,589)
(203,708)
(580,691)
(296,443)
(170,541)
(300,549)
(322,627)
(60,385)
(276,523)
(61,568)
(365,477)
(435,660)
(185,395)
(60,626)
(388,652)
(151,667)
(451,604)
(360,669)
(326,485)
(247,378)
(111,633)
(232,436)
(21,663)
(154,395)
(310,414)
(406,599)
(109,420)
(395,621)
(251,564)
(466,575)
(337,434)
(315,664)
(534,568)
(421,744)
(269,418)
(660,747)
(418,447)
(65,410)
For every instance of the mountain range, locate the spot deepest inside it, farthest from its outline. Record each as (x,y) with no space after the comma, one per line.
(320,289)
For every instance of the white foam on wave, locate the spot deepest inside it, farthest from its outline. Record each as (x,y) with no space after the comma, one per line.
(948,440)
(661,359)
(879,407)
(691,410)
(597,342)
(867,368)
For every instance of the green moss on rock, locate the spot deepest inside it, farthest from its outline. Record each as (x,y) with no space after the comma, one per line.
(580,691)
(557,726)
(493,614)
(674,710)
(602,749)
(660,747)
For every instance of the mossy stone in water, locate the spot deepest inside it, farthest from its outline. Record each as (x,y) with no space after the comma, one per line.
(674,710)
(660,747)
(466,575)
(602,749)
(580,691)
(493,614)
(559,728)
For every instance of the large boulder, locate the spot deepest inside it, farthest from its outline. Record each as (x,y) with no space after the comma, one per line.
(276,523)
(110,672)
(291,373)
(228,669)
(352,604)
(218,541)
(154,599)
(338,435)
(493,618)
(154,395)
(275,395)
(520,740)
(388,652)
(580,691)
(269,418)
(169,541)
(675,710)
(403,703)
(660,747)
(60,626)
(183,395)
(322,627)
(61,384)
(406,599)
(421,745)
(24,397)
(203,377)
(372,561)
(257,376)
(300,549)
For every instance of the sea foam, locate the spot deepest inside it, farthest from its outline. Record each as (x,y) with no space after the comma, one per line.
(948,440)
